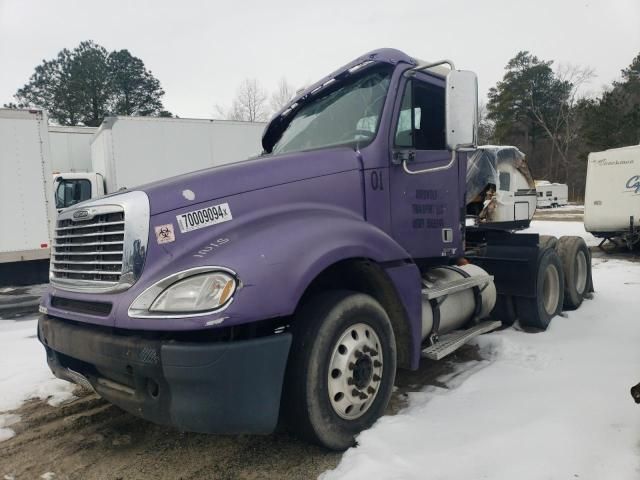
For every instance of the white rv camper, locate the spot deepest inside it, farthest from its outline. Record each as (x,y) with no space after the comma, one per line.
(552,194)
(612,195)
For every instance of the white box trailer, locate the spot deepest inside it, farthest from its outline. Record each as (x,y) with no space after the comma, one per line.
(71,148)
(612,195)
(552,194)
(130,151)
(26,207)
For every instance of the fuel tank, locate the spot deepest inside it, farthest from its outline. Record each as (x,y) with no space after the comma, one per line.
(457,308)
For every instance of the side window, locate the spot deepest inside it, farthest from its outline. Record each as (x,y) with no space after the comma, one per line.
(539,194)
(421,123)
(404,130)
(505,181)
(549,194)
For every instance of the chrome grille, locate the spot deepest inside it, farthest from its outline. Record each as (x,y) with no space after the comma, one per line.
(100,246)
(89,249)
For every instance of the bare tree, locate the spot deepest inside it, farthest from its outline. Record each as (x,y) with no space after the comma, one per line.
(485,126)
(249,104)
(282,95)
(562,128)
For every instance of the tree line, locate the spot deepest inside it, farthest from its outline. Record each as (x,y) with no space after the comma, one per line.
(548,114)
(542,109)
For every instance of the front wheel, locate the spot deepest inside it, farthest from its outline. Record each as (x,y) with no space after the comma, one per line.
(341,368)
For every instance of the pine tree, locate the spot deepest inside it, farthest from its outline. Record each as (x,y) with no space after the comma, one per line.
(84,85)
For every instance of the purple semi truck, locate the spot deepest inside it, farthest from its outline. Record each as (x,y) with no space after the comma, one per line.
(287,288)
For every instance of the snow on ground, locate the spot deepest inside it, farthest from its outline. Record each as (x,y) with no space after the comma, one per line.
(552,405)
(24,372)
(558,229)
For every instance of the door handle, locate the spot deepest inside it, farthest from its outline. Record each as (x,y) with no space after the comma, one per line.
(433,169)
(401,156)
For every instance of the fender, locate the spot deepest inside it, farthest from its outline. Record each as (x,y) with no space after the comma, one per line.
(276,254)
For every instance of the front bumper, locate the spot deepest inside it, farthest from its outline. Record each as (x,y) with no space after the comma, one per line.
(212,387)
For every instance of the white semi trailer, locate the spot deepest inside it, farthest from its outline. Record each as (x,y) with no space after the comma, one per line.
(612,196)
(26,207)
(131,151)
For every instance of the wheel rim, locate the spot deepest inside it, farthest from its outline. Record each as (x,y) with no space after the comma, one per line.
(580,269)
(355,371)
(551,289)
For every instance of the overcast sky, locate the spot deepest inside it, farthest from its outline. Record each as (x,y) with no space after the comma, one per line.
(201,50)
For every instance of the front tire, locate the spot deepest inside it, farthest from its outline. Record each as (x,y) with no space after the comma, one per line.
(341,368)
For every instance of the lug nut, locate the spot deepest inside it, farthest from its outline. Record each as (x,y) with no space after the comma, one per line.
(371,391)
(358,354)
(376,378)
(350,381)
(352,365)
(355,393)
(377,363)
(373,353)
(363,396)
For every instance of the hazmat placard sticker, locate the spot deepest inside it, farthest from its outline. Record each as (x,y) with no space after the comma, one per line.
(165,234)
(204,217)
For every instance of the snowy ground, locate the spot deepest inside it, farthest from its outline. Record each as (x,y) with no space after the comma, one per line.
(552,405)
(24,373)
(557,229)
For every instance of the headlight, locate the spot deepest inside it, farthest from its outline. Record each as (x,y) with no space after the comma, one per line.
(207,291)
(198,291)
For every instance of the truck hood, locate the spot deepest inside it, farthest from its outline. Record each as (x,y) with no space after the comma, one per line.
(253,174)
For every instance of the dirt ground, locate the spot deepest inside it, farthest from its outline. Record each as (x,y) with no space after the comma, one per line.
(90,439)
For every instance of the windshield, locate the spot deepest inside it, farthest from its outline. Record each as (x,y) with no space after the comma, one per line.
(70,192)
(348,115)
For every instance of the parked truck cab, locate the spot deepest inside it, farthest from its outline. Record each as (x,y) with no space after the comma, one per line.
(73,188)
(288,288)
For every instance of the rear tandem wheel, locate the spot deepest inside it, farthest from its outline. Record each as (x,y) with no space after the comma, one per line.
(576,263)
(538,311)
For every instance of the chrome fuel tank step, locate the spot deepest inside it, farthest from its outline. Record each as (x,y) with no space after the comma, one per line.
(451,342)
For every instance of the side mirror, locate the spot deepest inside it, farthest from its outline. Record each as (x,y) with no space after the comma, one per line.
(461,103)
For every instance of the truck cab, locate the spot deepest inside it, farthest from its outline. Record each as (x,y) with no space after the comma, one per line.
(75,187)
(289,287)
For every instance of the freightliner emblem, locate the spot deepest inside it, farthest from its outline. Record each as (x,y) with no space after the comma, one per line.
(81,215)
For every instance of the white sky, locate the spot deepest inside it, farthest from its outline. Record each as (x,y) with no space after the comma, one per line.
(201,50)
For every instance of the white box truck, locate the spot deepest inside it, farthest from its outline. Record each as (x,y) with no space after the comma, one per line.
(130,151)
(552,194)
(26,208)
(71,148)
(612,195)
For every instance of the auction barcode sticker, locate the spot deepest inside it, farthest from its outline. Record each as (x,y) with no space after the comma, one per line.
(204,217)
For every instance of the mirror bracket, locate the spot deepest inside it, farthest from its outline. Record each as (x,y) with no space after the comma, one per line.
(419,68)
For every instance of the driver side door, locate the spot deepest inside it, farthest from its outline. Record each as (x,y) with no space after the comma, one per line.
(425,207)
